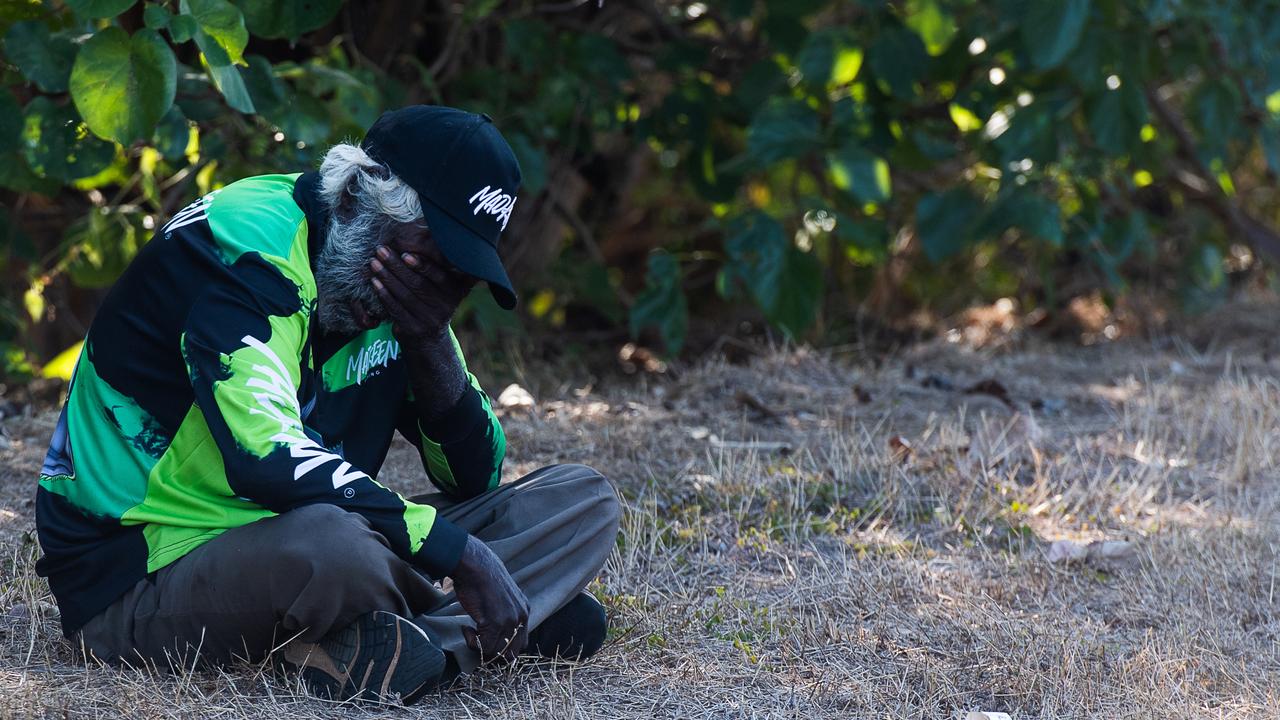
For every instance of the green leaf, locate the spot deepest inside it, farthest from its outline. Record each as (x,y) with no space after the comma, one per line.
(361,103)
(1052,28)
(1032,134)
(1270,136)
(829,57)
(300,116)
(944,223)
(898,59)
(101,247)
(760,80)
(478,10)
(43,58)
(866,241)
(1215,110)
(1040,217)
(1035,215)
(182,28)
(533,162)
(859,173)
(1206,267)
(155,17)
(1122,237)
(229,82)
(306,119)
(287,19)
(10,123)
(123,85)
(817,58)
(269,93)
(932,23)
(662,303)
(714,170)
(1116,119)
(57,146)
(783,129)
(783,281)
(16,175)
(222,23)
(172,135)
(100,8)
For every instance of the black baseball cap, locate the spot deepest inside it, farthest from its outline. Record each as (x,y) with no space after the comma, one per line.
(466,176)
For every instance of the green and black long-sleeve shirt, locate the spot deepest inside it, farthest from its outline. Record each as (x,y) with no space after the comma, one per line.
(206,398)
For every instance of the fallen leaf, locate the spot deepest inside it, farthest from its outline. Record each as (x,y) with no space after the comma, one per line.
(993,388)
(900,447)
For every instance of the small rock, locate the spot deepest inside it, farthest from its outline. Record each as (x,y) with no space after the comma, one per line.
(1098,552)
(515,397)
(1114,550)
(1064,551)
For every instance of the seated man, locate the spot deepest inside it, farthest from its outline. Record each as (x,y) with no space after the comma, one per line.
(209,492)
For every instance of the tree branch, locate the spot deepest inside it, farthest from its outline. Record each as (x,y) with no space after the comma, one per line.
(1208,192)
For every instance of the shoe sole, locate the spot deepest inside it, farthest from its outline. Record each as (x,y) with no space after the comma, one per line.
(380,656)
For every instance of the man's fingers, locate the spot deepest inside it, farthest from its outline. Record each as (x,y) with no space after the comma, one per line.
(431,271)
(390,265)
(471,639)
(395,308)
(406,296)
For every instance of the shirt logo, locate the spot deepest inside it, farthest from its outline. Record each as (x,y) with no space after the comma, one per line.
(370,359)
(493,202)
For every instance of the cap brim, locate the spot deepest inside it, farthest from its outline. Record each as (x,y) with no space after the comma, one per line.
(469,253)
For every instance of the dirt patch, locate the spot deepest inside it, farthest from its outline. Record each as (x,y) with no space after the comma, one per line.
(809,534)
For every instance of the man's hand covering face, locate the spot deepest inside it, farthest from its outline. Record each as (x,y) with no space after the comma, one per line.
(417,286)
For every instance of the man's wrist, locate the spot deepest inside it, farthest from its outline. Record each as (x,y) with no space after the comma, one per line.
(436,374)
(455,422)
(443,548)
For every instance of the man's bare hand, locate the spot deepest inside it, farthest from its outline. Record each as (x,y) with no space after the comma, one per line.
(418,287)
(493,600)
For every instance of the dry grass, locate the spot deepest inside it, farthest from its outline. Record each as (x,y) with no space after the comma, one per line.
(846,578)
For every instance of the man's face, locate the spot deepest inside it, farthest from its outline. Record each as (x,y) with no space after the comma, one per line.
(414,239)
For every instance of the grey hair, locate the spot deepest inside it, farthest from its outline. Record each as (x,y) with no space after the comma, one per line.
(364,201)
(349,168)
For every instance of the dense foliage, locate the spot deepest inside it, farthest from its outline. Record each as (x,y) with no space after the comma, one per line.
(804,158)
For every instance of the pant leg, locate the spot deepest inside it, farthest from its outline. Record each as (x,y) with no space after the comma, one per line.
(251,589)
(553,529)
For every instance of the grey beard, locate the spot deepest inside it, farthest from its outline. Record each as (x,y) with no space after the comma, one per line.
(340,272)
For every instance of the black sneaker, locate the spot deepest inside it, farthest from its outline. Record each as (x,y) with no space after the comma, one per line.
(574,632)
(380,656)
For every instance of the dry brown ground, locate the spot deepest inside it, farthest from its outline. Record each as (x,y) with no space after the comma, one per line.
(892,563)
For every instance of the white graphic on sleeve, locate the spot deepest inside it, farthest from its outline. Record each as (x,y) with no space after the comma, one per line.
(493,202)
(278,396)
(191,214)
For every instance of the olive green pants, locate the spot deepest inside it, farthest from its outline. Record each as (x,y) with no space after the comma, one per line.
(298,575)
